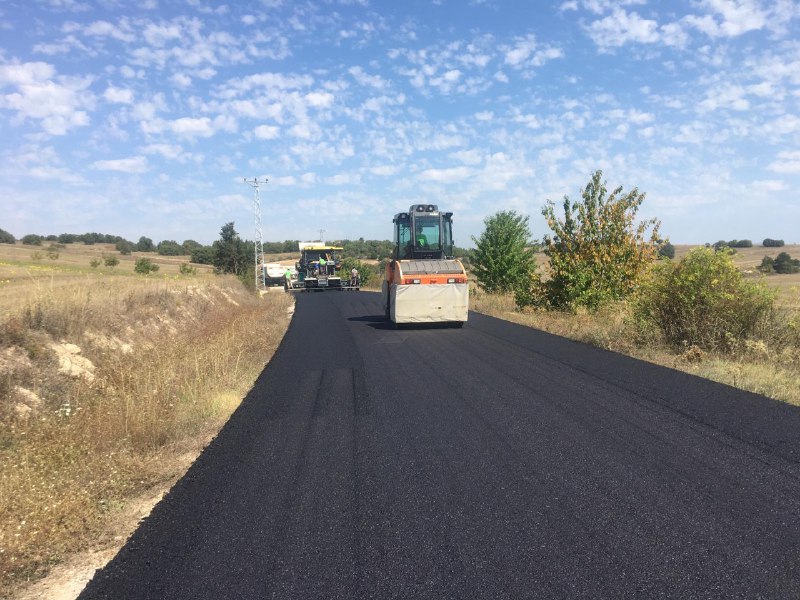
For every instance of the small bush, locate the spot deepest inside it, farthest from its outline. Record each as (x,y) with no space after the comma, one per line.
(6,237)
(52,251)
(110,261)
(666,250)
(36,255)
(187,269)
(32,239)
(703,300)
(94,263)
(125,247)
(767,265)
(145,266)
(784,263)
(770,243)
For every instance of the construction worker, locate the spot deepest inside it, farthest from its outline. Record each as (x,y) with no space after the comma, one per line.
(354,277)
(323,266)
(422,241)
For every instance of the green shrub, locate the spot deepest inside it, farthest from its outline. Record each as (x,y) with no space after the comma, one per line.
(784,263)
(145,266)
(110,261)
(703,300)
(770,243)
(170,248)
(53,251)
(767,265)
(367,273)
(36,255)
(32,239)
(666,250)
(125,247)
(6,237)
(187,269)
(94,263)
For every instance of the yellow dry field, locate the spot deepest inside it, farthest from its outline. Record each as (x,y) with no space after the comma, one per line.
(110,384)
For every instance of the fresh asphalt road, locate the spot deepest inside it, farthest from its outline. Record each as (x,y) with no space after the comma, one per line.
(492,461)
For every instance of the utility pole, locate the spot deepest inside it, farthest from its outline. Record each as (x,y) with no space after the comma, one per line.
(259,244)
(322,235)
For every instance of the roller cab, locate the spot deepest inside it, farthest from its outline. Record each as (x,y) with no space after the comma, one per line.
(423,283)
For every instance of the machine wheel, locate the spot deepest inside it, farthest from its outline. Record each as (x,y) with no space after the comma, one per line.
(457,324)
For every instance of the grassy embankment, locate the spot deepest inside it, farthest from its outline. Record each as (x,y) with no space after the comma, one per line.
(767,366)
(108,381)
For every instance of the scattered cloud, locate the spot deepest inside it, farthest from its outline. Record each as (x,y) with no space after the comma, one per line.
(135,164)
(59,103)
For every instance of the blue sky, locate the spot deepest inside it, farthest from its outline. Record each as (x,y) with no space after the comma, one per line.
(143,118)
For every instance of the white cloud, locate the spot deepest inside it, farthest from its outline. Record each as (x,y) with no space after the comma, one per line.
(171,151)
(266,132)
(106,29)
(485,115)
(319,99)
(181,80)
(363,78)
(118,95)
(787,162)
(59,103)
(191,127)
(451,175)
(384,170)
(343,179)
(621,27)
(135,164)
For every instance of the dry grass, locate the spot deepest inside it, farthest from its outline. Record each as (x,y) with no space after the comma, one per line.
(771,367)
(162,362)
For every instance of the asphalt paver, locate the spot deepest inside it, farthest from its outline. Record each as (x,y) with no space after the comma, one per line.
(493,461)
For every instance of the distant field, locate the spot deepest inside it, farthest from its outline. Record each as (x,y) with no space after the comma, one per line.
(21,275)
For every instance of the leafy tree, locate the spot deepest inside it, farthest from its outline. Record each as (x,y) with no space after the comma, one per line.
(502,260)
(204,255)
(189,246)
(145,266)
(170,248)
(784,263)
(230,253)
(94,263)
(125,247)
(145,244)
(597,251)
(366,273)
(110,261)
(767,265)
(666,250)
(32,239)
(770,243)
(740,244)
(6,237)
(67,238)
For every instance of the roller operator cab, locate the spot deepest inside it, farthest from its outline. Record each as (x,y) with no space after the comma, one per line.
(423,283)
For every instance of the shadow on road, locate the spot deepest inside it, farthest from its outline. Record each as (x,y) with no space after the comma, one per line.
(380,322)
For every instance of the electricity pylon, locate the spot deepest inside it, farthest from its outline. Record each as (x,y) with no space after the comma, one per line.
(259,244)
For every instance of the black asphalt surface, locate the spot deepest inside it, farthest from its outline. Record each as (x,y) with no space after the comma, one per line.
(492,461)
